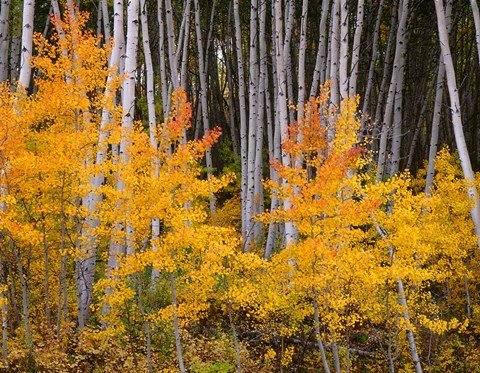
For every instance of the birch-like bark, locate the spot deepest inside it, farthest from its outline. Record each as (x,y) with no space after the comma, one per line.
(106,19)
(290,231)
(86,265)
(243,114)
(457,117)
(203,94)
(357,38)
(321,59)
(258,171)
(161,50)
(27,44)
(386,73)
(152,121)
(186,38)
(437,108)
(397,71)
(4,12)
(289,19)
(320,345)
(275,153)
(344,50)
(301,60)
(371,69)
(334,53)
(128,103)
(252,124)
(176,328)
(171,45)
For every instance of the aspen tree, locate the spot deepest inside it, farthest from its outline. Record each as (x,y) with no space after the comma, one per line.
(4,25)
(203,92)
(457,116)
(371,69)
(290,233)
(396,85)
(437,110)
(357,38)
(321,58)
(243,115)
(27,42)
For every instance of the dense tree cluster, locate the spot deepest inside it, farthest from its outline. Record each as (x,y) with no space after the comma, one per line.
(219,186)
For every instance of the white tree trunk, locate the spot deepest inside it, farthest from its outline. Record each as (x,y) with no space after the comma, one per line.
(301,60)
(171,45)
(27,42)
(203,94)
(344,51)
(4,12)
(243,115)
(290,232)
(357,38)
(371,70)
(397,71)
(334,53)
(252,125)
(106,19)
(321,59)
(437,109)
(457,117)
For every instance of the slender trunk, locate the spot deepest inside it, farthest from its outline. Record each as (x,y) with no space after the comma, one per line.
(301,60)
(289,18)
(88,265)
(437,110)
(186,38)
(243,114)
(176,329)
(457,117)
(203,95)
(386,71)
(371,70)
(334,53)
(321,59)
(290,232)
(152,125)
(46,273)
(171,45)
(357,38)
(161,49)
(4,39)
(261,94)
(320,345)
(344,51)
(235,339)
(62,289)
(252,125)
(106,19)
(402,300)
(15,57)
(27,43)
(397,77)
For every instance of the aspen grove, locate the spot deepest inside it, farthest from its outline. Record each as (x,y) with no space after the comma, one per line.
(240,186)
